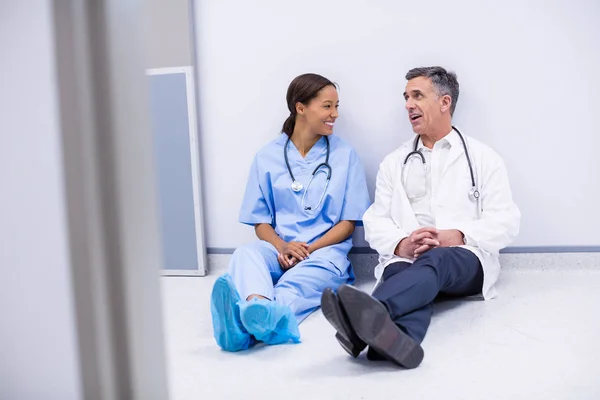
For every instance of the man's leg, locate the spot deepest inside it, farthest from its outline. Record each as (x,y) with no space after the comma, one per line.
(373,325)
(395,320)
(408,291)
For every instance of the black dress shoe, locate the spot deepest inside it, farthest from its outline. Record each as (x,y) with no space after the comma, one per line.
(374,326)
(334,313)
(373,355)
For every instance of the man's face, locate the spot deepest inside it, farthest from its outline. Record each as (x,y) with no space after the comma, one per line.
(423,104)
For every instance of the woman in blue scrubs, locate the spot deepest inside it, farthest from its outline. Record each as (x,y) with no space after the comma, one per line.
(305,193)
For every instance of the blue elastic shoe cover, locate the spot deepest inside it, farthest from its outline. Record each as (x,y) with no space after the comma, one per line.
(269,322)
(228,330)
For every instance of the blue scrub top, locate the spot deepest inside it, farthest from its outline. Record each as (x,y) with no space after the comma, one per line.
(270,199)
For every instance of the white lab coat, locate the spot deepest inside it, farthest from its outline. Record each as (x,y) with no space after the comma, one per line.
(391,218)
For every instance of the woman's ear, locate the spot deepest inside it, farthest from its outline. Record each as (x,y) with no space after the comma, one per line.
(300,108)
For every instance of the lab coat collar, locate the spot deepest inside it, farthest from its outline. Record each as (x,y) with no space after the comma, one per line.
(456,151)
(453,139)
(450,139)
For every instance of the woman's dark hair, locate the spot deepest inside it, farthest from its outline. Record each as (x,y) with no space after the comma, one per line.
(303,89)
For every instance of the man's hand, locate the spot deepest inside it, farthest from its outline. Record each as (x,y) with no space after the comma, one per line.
(291,253)
(425,239)
(417,243)
(450,237)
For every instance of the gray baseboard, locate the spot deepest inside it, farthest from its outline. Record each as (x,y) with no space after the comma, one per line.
(508,250)
(364,263)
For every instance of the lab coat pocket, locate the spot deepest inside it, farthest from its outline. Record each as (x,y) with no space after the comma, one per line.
(415,180)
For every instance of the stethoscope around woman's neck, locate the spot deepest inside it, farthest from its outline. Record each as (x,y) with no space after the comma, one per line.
(297,186)
(474,193)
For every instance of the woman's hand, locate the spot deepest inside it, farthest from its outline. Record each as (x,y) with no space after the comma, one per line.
(291,254)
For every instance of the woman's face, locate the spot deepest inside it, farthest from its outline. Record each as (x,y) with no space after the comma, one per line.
(321,112)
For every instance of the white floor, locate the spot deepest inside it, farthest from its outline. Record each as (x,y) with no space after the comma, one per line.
(540,339)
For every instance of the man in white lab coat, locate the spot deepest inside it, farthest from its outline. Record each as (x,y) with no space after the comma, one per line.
(443,210)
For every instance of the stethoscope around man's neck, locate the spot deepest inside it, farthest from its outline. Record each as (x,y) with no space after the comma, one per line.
(474,193)
(297,186)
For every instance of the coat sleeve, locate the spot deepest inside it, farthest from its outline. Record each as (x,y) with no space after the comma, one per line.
(500,219)
(381,232)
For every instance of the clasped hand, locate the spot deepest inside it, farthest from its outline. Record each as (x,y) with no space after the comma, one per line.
(291,254)
(425,239)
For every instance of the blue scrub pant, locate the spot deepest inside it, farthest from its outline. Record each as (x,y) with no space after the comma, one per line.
(255,270)
(408,290)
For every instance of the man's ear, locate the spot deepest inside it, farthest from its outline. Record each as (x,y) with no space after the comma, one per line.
(446,103)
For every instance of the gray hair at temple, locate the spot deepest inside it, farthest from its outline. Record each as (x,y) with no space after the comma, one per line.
(444,82)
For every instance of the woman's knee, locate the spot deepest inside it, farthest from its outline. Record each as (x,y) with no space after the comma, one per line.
(246,252)
(256,256)
(310,280)
(258,248)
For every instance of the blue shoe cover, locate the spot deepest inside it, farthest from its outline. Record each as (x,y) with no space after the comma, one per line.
(227,327)
(269,322)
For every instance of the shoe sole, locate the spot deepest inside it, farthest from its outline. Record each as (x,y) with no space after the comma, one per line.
(374,326)
(345,335)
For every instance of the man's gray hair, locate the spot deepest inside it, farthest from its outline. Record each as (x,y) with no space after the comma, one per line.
(444,82)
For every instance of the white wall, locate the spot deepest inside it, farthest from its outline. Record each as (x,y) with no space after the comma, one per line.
(528,72)
(38,353)
(167,33)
